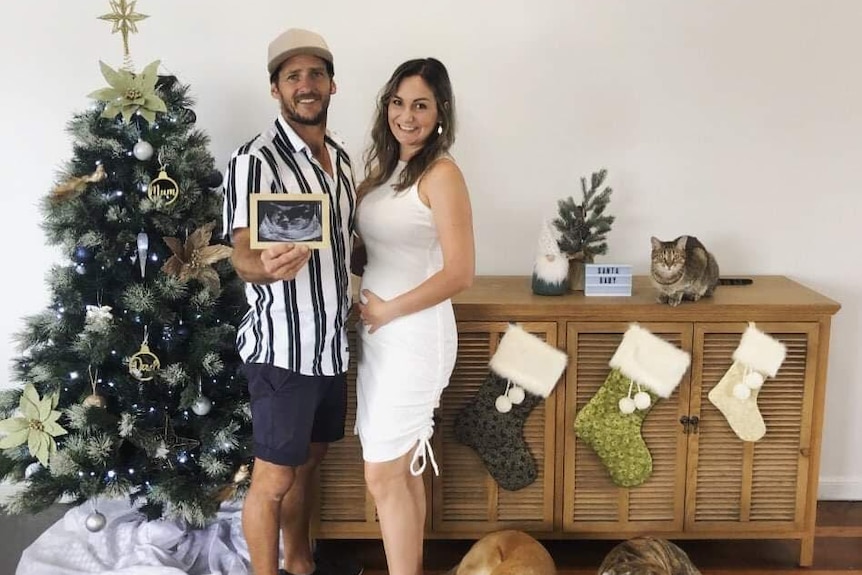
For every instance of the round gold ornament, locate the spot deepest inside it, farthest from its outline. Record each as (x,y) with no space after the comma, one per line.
(144,364)
(95,400)
(163,187)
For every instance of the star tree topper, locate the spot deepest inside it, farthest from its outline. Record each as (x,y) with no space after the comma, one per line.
(125,21)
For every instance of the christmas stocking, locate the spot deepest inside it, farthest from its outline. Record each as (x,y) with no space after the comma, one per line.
(524,371)
(610,423)
(757,356)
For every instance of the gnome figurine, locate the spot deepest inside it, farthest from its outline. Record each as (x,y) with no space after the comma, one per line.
(551,270)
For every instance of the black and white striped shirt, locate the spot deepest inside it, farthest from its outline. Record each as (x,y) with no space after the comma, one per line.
(300,324)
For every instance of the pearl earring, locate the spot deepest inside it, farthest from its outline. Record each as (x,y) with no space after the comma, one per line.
(439,129)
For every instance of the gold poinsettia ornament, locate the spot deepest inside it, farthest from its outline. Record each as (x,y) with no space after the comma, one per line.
(37,426)
(130,93)
(194,259)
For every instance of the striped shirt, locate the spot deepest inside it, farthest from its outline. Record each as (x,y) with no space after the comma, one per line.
(297,325)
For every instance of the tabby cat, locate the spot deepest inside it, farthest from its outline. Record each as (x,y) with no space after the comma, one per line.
(682,269)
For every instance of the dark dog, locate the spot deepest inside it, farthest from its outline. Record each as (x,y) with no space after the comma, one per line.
(647,556)
(506,553)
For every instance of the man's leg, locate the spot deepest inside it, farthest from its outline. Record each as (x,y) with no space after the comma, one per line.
(282,408)
(260,514)
(296,515)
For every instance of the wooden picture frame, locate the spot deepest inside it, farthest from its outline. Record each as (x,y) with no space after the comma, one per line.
(301,219)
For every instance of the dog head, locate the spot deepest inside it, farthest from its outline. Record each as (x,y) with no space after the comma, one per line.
(647,556)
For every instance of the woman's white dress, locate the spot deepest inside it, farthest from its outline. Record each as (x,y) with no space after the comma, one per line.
(404,366)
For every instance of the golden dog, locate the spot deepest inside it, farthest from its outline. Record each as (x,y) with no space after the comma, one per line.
(506,553)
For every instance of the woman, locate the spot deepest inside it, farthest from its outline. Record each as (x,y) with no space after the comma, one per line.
(415,220)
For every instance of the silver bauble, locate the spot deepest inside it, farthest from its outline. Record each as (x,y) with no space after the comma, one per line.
(143,150)
(31,469)
(202,405)
(95,522)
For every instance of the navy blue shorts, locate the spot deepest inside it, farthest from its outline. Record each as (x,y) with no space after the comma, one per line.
(289,411)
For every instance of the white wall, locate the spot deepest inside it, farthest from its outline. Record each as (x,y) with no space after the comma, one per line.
(737,121)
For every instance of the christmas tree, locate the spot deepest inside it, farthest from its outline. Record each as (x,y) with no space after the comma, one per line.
(584,227)
(129,383)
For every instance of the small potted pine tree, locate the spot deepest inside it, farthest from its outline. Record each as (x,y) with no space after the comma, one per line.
(584,227)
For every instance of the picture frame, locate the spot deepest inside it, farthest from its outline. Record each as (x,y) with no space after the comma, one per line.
(301,219)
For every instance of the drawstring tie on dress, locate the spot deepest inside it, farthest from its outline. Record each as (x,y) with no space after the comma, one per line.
(424,452)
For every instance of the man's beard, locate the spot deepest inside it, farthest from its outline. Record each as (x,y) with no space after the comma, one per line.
(318,119)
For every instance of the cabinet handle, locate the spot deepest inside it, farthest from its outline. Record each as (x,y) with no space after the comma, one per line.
(685,421)
(689,424)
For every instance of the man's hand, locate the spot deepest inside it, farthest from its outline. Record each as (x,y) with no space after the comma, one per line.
(279,262)
(283,261)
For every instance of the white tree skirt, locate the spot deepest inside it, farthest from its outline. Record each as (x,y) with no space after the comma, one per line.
(130,545)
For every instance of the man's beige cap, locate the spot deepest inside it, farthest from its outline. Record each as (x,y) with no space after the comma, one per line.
(297,41)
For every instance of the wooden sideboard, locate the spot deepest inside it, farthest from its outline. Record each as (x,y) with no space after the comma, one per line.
(706,483)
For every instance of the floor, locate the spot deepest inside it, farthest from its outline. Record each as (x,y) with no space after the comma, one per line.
(838,549)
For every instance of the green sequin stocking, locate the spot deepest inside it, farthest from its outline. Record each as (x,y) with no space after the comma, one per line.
(614,436)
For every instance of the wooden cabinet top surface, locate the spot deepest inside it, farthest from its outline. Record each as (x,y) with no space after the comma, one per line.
(769,298)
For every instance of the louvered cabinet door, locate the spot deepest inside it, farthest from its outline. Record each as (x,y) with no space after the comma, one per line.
(466,500)
(345,508)
(745,487)
(593,504)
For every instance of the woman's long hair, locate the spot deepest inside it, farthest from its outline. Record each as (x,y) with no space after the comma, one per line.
(381,158)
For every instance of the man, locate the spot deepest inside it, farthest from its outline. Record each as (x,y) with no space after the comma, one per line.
(293,339)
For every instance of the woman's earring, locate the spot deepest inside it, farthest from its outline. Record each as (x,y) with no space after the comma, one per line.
(439,129)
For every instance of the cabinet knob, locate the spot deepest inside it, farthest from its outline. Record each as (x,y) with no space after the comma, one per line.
(805,452)
(685,421)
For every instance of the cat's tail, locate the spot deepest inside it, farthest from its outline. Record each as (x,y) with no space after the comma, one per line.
(735,281)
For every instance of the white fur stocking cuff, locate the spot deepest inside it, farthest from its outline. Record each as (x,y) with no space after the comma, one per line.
(759,351)
(650,361)
(528,361)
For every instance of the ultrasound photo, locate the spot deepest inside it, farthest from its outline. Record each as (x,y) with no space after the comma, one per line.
(294,218)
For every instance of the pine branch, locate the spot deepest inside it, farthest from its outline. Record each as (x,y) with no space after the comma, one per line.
(583,228)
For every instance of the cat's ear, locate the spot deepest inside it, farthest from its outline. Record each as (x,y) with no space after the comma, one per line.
(680,242)
(656,243)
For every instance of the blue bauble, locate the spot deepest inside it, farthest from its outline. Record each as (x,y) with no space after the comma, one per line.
(182,331)
(82,255)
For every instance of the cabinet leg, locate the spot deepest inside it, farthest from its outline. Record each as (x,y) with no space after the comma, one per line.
(806,552)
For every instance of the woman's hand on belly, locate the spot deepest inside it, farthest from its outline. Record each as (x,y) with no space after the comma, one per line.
(374,311)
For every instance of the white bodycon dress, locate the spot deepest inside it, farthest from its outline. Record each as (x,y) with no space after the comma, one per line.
(404,366)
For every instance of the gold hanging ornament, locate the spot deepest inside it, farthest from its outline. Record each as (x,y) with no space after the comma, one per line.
(94,399)
(144,364)
(163,188)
